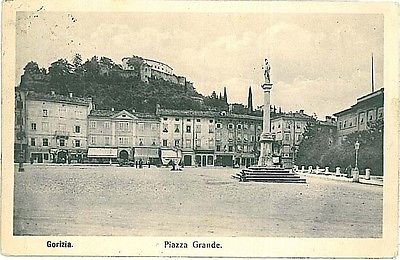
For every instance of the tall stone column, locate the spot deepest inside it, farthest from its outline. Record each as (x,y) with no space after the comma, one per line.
(266,138)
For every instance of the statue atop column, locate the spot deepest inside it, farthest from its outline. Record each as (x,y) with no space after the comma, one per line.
(267,69)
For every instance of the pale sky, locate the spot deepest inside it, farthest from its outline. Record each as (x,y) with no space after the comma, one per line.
(319,63)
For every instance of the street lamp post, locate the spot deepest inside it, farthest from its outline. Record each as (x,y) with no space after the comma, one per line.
(356,173)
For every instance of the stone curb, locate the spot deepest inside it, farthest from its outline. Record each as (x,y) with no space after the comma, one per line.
(329,177)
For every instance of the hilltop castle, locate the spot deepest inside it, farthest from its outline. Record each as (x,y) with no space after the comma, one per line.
(151,69)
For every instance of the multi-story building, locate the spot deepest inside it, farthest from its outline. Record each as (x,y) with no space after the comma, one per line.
(288,129)
(208,138)
(20,141)
(368,109)
(192,132)
(122,134)
(147,144)
(53,126)
(237,139)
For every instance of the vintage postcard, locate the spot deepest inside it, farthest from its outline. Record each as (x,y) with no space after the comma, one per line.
(196,128)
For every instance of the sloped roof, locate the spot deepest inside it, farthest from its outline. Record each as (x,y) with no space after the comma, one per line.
(198,113)
(31,95)
(362,101)
(109,113)
(102,113)
(296,115)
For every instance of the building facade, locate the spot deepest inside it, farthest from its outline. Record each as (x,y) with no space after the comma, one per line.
(123,135)
(367,109)
(209,138)
(288,129)
(147,145)
(54,126)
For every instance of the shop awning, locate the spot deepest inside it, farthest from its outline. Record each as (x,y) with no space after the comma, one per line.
(103,152)
(146,152)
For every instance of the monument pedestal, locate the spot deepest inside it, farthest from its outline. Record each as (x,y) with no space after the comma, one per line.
(266,150)
(265,170)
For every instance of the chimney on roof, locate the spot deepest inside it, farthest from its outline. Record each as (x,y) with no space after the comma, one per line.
(133,110)
(301,111)
(70,94)
(53,92)
(230,108)
(112,109)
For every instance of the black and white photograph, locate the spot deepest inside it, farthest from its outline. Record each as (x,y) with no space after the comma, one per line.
(194,125)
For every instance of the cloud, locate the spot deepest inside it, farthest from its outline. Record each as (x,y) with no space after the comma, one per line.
(314,58)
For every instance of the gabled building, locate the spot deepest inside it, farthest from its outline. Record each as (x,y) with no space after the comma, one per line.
(123,135)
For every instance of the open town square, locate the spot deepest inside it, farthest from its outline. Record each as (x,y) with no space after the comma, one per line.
(240,136)
(121,201)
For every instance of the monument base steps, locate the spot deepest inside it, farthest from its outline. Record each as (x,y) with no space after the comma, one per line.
(268,174)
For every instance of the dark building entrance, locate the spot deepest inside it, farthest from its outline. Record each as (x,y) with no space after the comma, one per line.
(62,157)
(204,161)
(224,160)
(124,155)
(187,160)
(37,157)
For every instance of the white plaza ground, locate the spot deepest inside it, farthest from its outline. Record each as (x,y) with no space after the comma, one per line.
(125,201)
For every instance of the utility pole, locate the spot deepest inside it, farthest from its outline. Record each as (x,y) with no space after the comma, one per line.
(372,73)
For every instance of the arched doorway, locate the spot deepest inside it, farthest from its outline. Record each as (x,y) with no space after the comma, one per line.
(62,157)
(124,155)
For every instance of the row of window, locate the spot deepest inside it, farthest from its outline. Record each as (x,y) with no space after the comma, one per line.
(161,68)
(188,143)
(177,128)
(288,126)
(62,113)
(362,118)
(120,140)
(288,137)
(61,127)
(122,126)
(198,120)
(207,144)
(60,142)
(219,125)
(239,137)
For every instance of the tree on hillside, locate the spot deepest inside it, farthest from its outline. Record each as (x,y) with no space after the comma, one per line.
(60,69)
(239,109)
(32,68)
(101,79)
(107,62)
(77,61)
(91,68)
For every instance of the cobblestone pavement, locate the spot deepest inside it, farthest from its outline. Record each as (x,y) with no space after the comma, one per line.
(110,200)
